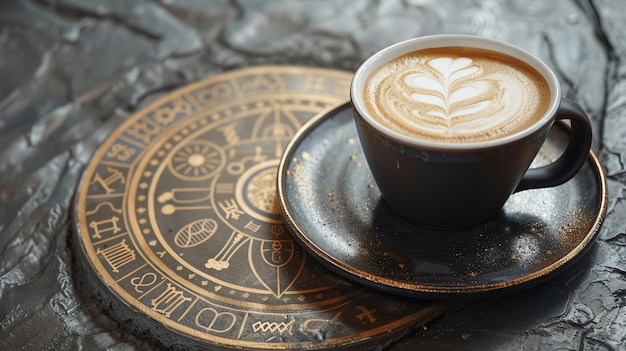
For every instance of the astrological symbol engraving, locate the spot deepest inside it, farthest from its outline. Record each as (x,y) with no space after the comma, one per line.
(211,320)
(114,176)
(230,134)
(104,226)
(121,152)
(366,314)
(318,325)
(184,196)
(221,260)
(195,233)
(169,300)
(231,209)
(237,167)
(144,131)
(277,253)
(166,115)
(117,255)
(101,204)
(277,230)
(272,327)
(253,226)
(144,281)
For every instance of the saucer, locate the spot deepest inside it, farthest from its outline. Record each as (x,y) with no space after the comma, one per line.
(333,208)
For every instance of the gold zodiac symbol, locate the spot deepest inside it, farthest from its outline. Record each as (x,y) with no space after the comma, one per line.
(366,314)
(144,281)
(224,319)
(231,209)
(104,226)
(117,255)
(169,300)
(144,131)
(281,327)
(316,325)
(166,115)
(105,183)
(106,203)
(121,152)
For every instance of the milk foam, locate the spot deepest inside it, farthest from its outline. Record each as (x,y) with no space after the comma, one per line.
(440,95)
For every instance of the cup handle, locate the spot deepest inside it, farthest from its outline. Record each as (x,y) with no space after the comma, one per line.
(570,162)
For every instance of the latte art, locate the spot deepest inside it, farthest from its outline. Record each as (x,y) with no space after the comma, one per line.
(449,94)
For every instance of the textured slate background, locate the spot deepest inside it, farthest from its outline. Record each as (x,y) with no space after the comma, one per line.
(71,71)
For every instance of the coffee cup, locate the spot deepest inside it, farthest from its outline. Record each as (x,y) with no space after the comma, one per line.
(450,124)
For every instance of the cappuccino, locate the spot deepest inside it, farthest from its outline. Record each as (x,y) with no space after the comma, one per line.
(456,94)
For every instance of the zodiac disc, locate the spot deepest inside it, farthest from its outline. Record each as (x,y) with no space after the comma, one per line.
(178,228)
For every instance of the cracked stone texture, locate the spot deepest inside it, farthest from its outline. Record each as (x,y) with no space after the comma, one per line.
(72,70)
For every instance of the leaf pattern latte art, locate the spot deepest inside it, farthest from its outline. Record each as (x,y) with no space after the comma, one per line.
(452,97)
(447,90)
(456,91)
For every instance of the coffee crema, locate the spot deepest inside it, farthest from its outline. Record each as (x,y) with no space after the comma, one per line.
(456,94)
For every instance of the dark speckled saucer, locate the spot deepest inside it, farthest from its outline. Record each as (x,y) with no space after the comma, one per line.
(334,210)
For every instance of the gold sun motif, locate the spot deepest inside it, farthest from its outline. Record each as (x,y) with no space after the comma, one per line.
(197,160)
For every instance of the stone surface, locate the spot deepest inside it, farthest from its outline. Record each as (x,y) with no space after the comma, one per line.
(72,70)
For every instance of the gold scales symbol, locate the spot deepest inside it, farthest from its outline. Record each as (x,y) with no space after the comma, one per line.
(176,218)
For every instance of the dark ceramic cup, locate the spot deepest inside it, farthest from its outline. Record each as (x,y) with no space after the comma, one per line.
(450,185)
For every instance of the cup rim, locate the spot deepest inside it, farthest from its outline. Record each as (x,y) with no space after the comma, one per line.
(447,40)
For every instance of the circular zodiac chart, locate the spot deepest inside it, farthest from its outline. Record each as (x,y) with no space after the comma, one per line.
(178,225)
